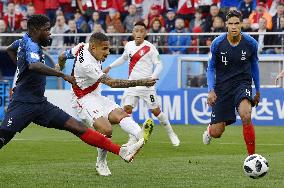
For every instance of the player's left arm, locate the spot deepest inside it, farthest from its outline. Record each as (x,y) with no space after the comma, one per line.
(255,75)
(158,64)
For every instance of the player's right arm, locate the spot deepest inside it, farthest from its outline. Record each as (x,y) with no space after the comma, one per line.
(119,61)
(211,75)
(35,64)
(120,83)
(12,50)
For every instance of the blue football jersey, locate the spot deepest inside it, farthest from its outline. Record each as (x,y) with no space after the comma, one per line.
(233,64)
(30,85)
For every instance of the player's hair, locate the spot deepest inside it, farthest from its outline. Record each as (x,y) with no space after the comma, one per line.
(141,24)
(98,37)
(37,21)
(234,13)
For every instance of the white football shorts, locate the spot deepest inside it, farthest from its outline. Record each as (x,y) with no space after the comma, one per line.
(93,106)
(131,97)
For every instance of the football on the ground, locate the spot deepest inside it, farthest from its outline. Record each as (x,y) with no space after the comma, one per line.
(255,166)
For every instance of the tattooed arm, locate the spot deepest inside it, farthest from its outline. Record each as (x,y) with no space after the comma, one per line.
(119,83)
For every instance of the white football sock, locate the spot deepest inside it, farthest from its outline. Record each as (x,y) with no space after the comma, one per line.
(165,122)
(131,127)
(102,155)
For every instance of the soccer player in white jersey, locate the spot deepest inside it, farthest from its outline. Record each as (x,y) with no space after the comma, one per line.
(91,106)
(142,57)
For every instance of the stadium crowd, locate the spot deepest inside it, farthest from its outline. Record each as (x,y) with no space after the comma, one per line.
(160,16)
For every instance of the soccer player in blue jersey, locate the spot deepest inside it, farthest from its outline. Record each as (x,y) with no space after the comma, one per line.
(232,66)
(28,103)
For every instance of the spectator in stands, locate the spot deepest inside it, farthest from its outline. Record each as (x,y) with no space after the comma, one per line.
(4,41)
(81,22)
(246,7)
(23,26)
(11,18)
(279,39)
(115,41)
(214,12)
(260,12)
(87,7)
(50,8)
(157,40)
(179,40)
(218,26)
(60,27)
(198,21)
(30,10)
(170,20)
(273,7)
(68,7)
(264,40)
(113,18)
(204,6)
(154,13)
(39,6)
(97,28)
(122,7)
(95,20)
(186,10)
(276,19)
(73,40)
(246,25)
(131,19)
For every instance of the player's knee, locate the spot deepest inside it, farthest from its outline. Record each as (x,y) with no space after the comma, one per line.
(246,117)
(156,111)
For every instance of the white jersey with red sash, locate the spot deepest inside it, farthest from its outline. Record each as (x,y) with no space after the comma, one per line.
(141,59)
(86,70)
(87,100)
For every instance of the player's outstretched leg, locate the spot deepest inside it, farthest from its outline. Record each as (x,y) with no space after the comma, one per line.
(96,139)
(166,123)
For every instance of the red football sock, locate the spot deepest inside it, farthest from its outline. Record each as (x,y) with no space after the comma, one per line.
(94,138)
(249,137)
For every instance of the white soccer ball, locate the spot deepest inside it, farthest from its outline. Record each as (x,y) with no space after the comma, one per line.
(255,166)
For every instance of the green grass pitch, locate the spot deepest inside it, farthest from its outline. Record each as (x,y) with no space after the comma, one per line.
(40,157)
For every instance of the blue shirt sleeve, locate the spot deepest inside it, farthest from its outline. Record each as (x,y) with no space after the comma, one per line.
(32,53)
(211,68)
(68,54)
(15,45)
(255,68)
